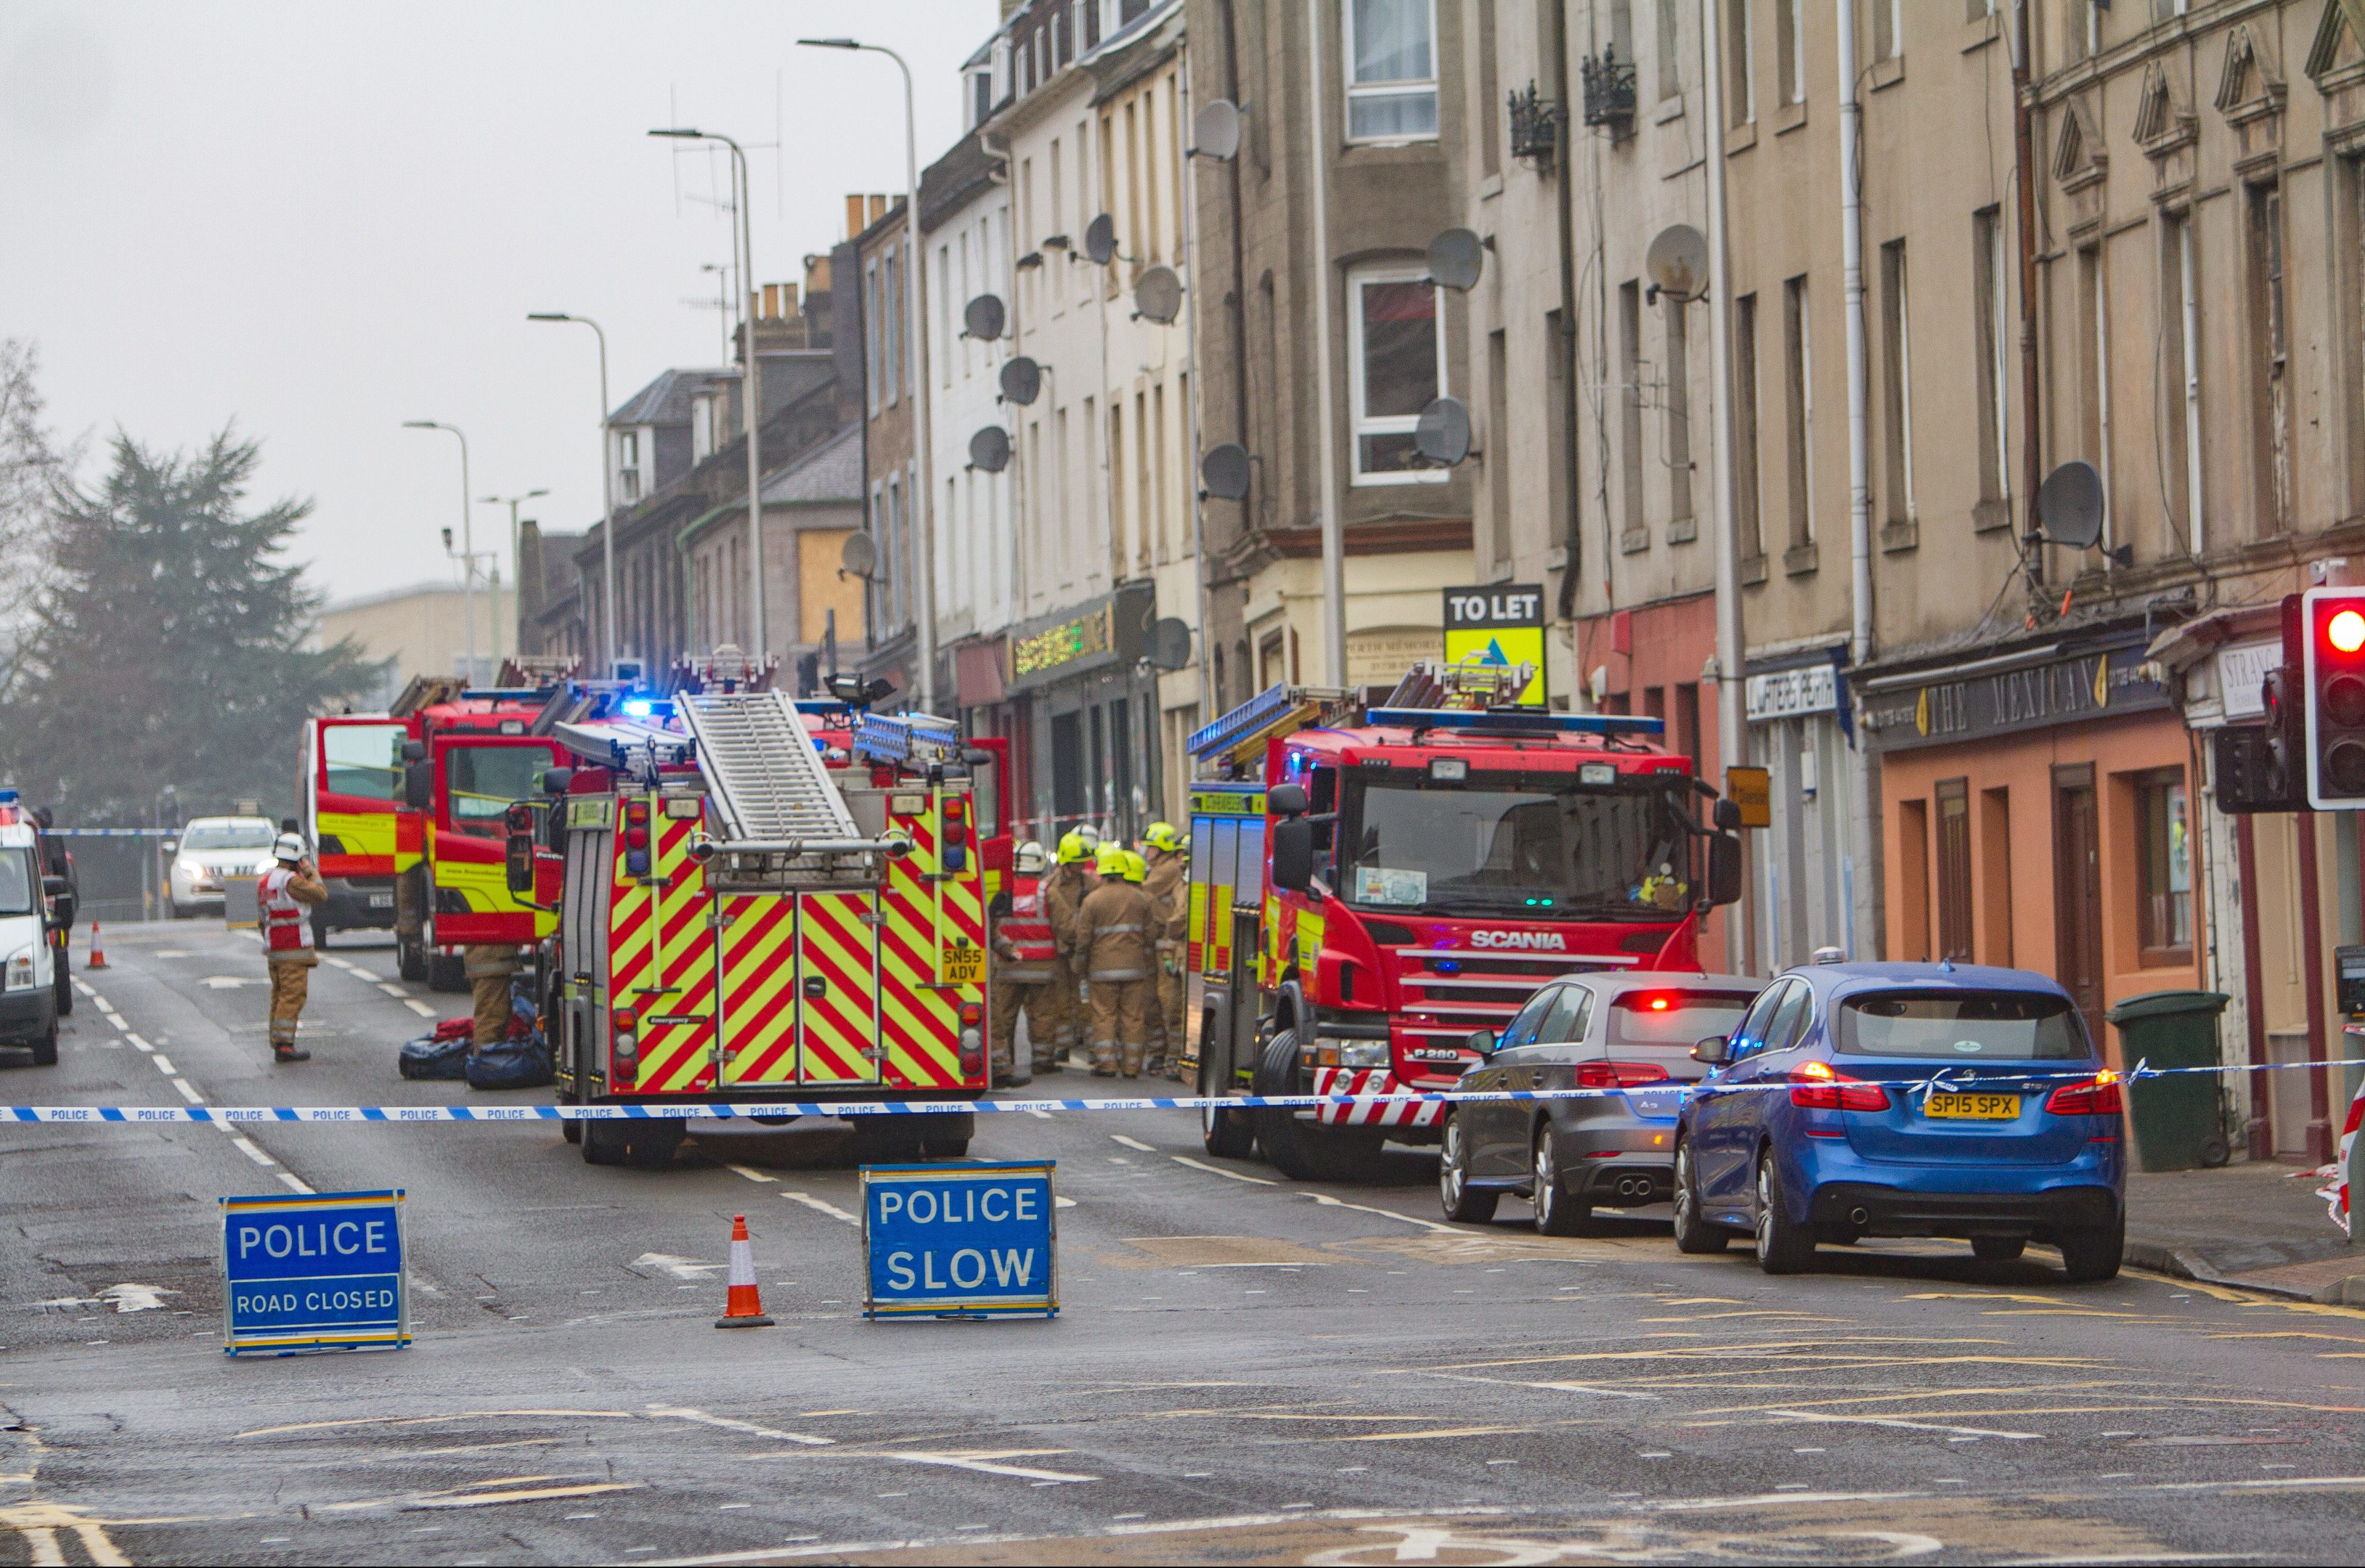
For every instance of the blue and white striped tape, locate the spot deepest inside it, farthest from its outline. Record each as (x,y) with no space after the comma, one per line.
(111,832)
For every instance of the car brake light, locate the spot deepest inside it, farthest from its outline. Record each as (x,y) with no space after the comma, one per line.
(1827,1090)
(2095,1096)
(1617,1074)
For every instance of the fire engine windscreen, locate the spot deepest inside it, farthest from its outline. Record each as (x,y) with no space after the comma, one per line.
(1535,844)
(18,881)
(364,760)
(483,779)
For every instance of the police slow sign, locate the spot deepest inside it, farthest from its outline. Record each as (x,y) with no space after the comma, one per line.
(959,1240)
(1501,623)
(318,1272)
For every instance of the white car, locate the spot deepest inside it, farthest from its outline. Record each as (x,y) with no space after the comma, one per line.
(28,1003)
(212,848)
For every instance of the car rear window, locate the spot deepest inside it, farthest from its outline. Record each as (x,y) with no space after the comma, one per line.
(1969,1025)
(1675,1017)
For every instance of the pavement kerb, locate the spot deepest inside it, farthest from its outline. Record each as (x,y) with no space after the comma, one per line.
(2162,1258)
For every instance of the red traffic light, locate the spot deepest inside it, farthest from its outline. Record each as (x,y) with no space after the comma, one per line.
(2345,630)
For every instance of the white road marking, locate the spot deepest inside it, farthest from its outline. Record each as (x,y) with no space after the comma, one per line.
(1040,1116)
(822,1206)
(231,982)
(679,1268)
(753,1175)
(419,1007)
(137,1041)
(360,973)
(296,1183)
(163,1064)
(1063,1203)
(393,991)
(1327,1201)
(730,1424)
(1908,1426)
(83,987)
(251,1149)
(988,1467)
(136,1298)
(1131,1143)
(188,1093)
(1219,1171)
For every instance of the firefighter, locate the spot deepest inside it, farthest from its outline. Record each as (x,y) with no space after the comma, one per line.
(285,894)
(1112,938)
(1063,894)
(490,968)
(1168,884)
(1024,971)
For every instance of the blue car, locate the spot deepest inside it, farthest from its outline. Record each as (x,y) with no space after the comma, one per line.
(1857,1100)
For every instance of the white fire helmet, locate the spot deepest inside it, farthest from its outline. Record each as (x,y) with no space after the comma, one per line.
(1028,860)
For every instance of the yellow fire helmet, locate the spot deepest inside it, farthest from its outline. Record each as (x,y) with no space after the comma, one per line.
(1110,860)
(1029,858)
(1163,835)
(1135,867)
(1072,847)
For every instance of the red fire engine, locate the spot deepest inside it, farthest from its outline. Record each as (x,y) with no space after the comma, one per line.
(1368,888)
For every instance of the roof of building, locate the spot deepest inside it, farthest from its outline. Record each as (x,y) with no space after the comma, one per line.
(394,595)
(954,180)
(665,400)
(830,472)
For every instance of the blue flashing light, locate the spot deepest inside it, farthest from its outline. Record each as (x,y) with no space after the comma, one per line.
(1525,722)
(639,707)
(1449,965)
(8,797)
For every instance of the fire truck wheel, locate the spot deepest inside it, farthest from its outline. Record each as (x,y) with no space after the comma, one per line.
(64,987)
(447,972)
(1228,1135)
(885,1140)
(410,958)
(571,1131)
(1307,1151)
(946,1138)
(604,1143)
(650,1145)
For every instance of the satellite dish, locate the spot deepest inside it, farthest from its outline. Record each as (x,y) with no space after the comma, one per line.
(1455,258)
(2069,505)
(1217,129)
(1169,643)
(1225,472)
(1677,262)
(1099,240)
(1443,433)
(859,556)
(990,449)
(984,318)
(1022,379)
(1158,295)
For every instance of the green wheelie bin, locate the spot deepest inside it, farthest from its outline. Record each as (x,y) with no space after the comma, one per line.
(2176,1121)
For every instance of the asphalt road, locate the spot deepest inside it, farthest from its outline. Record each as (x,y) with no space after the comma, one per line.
(1246,1370)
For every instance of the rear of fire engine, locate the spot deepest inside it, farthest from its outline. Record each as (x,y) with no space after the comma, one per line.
(349,780)
(759,901)
(1385,882)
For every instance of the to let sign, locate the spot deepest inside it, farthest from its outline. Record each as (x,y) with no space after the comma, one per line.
(960,1241)
(1499,624)
(322,1273)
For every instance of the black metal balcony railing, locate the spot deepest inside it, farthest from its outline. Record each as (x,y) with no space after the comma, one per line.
(1609,90)
(1535,125)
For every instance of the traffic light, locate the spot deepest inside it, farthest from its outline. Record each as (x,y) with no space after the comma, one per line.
(2333,664)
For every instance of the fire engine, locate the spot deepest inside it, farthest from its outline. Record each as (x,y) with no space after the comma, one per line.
(759,899)
(1369,886)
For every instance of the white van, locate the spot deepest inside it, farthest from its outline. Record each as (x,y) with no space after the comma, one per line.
(28,1001)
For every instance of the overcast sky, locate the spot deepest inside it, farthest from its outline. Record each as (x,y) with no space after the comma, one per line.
(319,220)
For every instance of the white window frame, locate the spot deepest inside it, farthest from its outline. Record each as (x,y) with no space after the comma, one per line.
(1384,89)
(1360,424)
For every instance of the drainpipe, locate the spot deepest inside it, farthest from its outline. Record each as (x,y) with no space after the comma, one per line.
(1732,725)
(2023,136)
(1334,532)
(1863,781)
(1573,539)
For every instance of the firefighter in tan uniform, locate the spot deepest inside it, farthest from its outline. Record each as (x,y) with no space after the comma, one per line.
(1024,960)
(1063,894)
(490,966)
(1168,883)
(1112,937)
(285,894)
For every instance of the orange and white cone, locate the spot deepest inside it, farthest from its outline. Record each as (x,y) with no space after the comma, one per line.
(98,954)
(744,1307)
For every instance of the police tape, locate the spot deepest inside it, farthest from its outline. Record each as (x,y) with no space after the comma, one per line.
(1943,1082)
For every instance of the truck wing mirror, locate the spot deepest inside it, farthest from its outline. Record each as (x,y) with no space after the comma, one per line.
(414,751)
(1293,853)
(556,781)
(1715,1051)
(1286,799)
(418,787)
(1728,816)
(518,848)
(1482,1041)
(1724,867)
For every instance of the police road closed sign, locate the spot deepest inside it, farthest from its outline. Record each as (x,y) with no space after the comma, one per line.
(1498,623)
(322,1272)
(960,1241)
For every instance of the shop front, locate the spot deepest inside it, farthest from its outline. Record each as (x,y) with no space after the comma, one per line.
(1078,685)
(1803,867)
(2037,803)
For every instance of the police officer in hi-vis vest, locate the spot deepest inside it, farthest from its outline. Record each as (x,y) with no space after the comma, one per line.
(287,893)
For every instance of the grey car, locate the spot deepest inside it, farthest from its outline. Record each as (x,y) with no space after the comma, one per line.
(1629,1037)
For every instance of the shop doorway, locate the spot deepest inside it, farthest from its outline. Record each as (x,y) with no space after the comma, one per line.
(2077,891)
(1067,799)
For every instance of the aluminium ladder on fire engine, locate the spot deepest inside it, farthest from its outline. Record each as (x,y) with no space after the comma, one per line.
(781,819)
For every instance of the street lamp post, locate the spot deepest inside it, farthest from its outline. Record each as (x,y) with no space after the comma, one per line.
(517,569)
(467,533)
(916,366)
(751,385)
(607,492)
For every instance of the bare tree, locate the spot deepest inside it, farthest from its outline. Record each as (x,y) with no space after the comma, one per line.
(29,467)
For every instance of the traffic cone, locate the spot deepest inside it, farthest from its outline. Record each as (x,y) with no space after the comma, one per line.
(743,1306)
(98,954)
